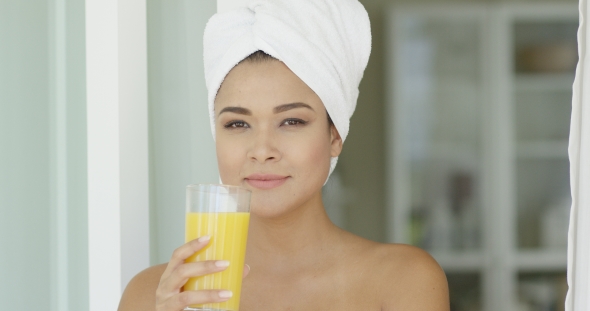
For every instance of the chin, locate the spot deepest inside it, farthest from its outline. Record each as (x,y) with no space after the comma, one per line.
(267,213)
(269,208)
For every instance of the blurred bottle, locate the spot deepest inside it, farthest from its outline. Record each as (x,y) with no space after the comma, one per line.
(465,212)
(555,224)
(441,225)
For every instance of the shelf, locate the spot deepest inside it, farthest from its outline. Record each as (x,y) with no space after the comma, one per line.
(449,150)
(459,261)
(471,124)
(543,260)
(546,82)
(542,149)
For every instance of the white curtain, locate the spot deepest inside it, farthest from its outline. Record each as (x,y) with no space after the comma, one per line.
(578,297)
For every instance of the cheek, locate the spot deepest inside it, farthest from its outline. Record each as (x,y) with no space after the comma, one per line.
(311,154)
(229,161)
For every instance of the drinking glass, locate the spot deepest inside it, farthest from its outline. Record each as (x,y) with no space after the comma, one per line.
(223,213)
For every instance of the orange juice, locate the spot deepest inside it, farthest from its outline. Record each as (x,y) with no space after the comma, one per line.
(229,232)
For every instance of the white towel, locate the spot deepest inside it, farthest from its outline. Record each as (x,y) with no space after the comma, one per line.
(326,43)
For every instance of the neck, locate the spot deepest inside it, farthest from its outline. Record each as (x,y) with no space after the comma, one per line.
(292,238)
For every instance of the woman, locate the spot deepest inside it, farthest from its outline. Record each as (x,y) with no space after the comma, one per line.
(279,122)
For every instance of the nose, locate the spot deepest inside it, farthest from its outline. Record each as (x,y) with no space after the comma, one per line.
(264,147)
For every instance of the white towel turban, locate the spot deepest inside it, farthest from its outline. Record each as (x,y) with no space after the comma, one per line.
(326,43)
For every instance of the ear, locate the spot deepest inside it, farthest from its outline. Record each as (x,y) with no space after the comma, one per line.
(335,142)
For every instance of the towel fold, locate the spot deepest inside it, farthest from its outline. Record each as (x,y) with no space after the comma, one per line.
(326,43)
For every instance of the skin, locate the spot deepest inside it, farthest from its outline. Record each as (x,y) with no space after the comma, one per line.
(298,259)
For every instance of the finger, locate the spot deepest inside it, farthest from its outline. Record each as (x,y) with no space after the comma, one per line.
(182,253)
(246,271)
(184,299)
(185,271)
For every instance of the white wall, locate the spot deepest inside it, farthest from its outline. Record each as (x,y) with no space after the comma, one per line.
(43,259)
(181,145)
(227,5)
(24,153)
(77,203)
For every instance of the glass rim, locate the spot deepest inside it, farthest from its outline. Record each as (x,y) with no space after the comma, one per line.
(207,187)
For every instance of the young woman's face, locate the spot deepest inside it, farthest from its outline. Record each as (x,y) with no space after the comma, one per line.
(273,137)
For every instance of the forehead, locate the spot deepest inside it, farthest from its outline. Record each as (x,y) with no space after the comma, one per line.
(264,85)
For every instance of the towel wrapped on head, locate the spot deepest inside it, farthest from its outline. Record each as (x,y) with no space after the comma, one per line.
(326,43)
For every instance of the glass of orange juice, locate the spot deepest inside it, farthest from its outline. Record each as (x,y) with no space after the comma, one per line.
(223,213)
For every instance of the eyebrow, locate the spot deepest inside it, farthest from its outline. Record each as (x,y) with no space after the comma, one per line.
(238,110)
(285,107)
(277,109)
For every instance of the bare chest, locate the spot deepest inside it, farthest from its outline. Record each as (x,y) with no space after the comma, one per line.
(312,292)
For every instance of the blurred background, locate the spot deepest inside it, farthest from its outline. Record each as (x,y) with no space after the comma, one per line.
(458,144)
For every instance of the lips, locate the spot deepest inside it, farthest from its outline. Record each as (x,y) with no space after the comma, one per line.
(266,181)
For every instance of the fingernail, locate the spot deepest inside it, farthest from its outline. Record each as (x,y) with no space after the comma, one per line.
(247,265)
(222,263)
(225,294)
(204,238)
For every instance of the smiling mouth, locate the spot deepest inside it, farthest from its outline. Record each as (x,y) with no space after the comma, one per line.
(266,181)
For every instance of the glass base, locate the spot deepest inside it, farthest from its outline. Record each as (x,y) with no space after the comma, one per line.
(203,309)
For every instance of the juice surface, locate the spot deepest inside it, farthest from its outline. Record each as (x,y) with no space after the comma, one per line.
(229,232)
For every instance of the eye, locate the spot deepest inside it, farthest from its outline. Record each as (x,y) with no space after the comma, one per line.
(293,122)
(236,124)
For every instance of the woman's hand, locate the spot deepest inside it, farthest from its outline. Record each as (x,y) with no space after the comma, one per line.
(169,296)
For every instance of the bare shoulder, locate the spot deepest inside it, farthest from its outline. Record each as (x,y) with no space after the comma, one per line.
(405,277)
(140,293)
(413,279)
